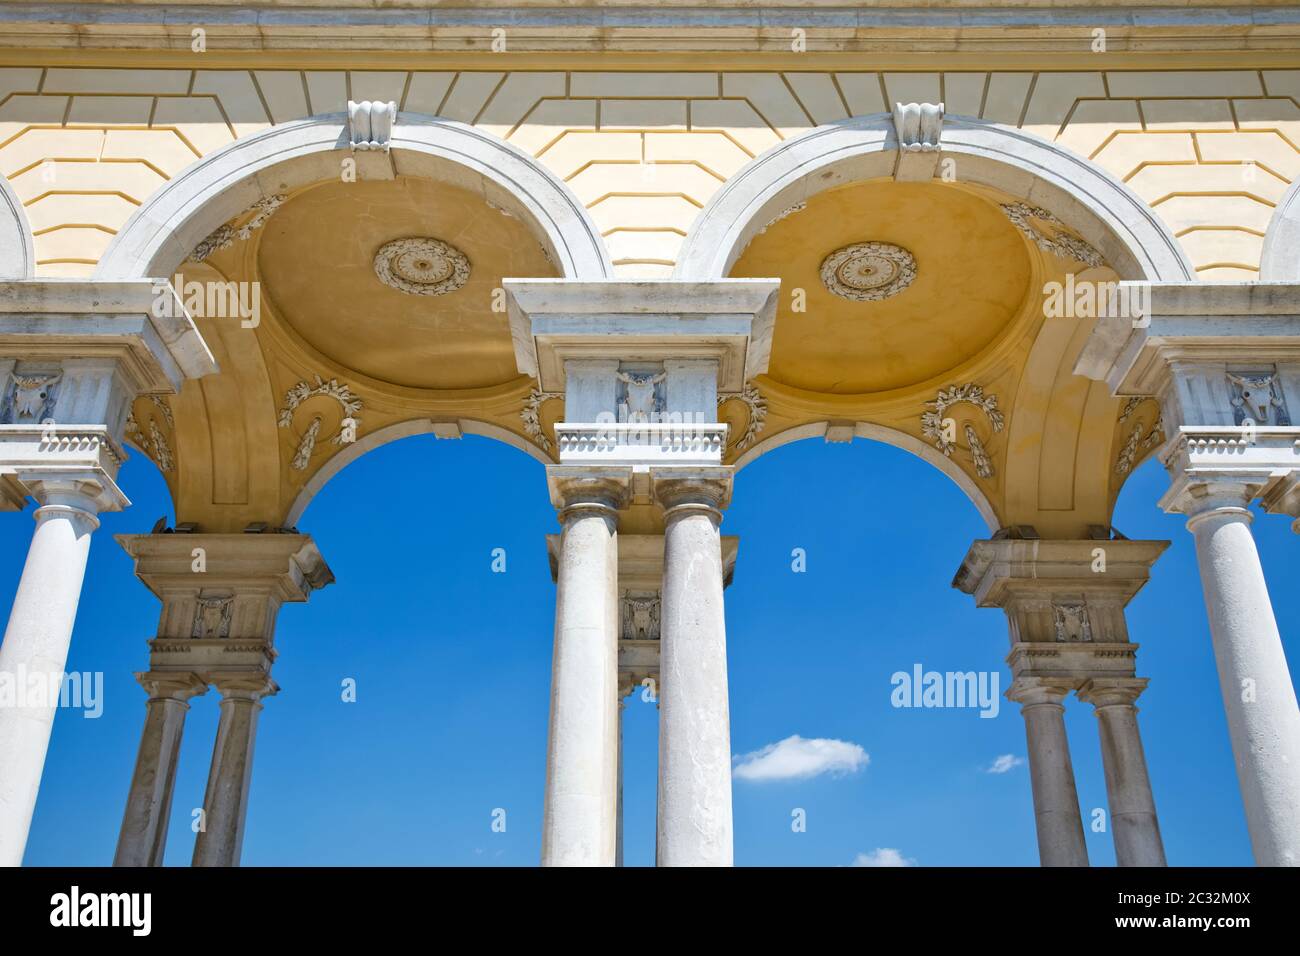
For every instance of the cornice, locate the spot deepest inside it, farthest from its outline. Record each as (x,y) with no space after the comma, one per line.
(903,27)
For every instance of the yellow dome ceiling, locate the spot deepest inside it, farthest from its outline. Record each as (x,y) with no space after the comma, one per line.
(972,272)
(317,265)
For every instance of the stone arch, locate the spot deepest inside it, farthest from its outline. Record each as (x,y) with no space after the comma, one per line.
(1279,260)
(1087,199)
(17,254)
(165,229)
(889,436)
(392,433)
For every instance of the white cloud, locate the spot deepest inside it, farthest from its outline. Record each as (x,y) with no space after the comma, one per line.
(882,856)
(1004,763)
(796,758)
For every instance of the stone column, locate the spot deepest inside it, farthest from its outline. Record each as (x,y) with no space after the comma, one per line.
(618,825)
(1133,823)
(694,825)
(35,649)
(143,836)
(221,597)
(225,802)
(1263,717)
(1056,802)
(579,820)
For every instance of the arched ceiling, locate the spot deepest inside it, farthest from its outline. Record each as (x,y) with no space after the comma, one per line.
(972,276)
(962,338)
(316,265)
(966,341)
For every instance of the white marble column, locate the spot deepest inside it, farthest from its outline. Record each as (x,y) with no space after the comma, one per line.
(1056,801)
(143,836)
(35,648)
(1263,717)
(579,819)
(694,819)
(1133,822)
(225,802)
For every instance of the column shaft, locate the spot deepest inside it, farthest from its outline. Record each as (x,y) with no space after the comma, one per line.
(1263,718)
(34,655)
(225,802)
(1056,801)
(143,836)
(581,780)
(694,826)
(1133,823)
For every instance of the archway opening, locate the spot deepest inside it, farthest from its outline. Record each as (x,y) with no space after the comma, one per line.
(411,728)
(847,554)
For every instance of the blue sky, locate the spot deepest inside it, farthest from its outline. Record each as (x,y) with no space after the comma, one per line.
(452,668)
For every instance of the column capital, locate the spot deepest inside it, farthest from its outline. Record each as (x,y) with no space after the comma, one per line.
(1200,498)
(693,488)
(172,685)
(1033,691)
(221,595)
(1112,691)
(89,492)
(1063,597)
(244,686)
(589,486)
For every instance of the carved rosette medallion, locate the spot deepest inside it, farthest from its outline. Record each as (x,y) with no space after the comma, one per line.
(868,271)
(421,266)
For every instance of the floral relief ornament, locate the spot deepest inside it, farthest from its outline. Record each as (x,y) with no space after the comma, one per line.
(757,414)
(348,402)
(530,415)
(1063,244)
(933,423)
(225,235)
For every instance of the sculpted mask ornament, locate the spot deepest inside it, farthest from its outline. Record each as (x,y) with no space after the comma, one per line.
(1255,397)
(641,617)
(421,266)
(212,617)
(1072,624)
(640,401)
(30,398)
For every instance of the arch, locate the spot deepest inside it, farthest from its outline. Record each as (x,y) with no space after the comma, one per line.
(1279,261)
(888,436)
(1090,201)
(391,433)
(17,254)
(160,235)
